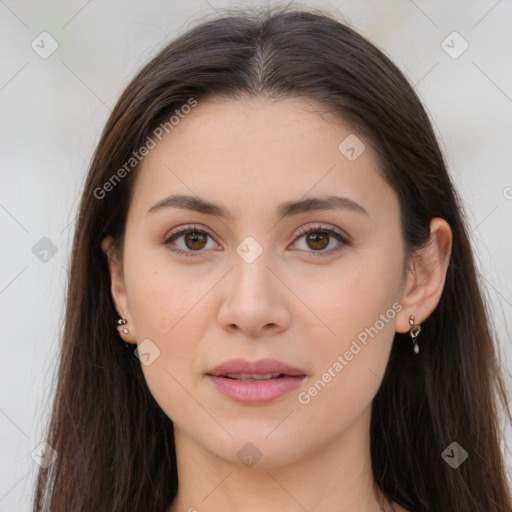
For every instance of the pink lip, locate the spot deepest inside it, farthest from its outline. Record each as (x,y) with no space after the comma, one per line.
(261,366)
(255,392)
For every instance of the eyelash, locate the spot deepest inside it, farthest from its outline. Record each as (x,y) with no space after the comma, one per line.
(311,229)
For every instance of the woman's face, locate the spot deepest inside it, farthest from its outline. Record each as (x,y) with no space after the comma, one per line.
(251,285)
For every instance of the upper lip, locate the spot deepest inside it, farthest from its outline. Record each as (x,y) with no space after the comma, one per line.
(261,366)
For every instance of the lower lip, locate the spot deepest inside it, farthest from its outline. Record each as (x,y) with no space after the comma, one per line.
(256,392)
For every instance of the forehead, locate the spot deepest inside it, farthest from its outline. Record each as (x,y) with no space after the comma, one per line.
(252,153)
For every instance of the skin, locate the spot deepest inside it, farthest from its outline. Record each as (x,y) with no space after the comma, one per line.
(251,155)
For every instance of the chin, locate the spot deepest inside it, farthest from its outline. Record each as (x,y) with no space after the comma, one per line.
(250,447)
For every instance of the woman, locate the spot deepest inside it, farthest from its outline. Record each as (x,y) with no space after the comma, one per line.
(269,226)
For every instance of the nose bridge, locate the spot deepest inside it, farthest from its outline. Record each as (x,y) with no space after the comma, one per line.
(252,301)
(251,273)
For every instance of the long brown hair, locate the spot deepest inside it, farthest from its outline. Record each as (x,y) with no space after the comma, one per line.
(115,445)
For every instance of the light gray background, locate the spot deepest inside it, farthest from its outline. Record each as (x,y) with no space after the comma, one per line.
(53,110)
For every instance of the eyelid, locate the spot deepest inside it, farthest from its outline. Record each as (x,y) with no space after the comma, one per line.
(186,228)
(321,227)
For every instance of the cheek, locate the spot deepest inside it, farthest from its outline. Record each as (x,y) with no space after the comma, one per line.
(167,309)
(357,308)
(348,367)
(342,300)
(170,309)
(164,298)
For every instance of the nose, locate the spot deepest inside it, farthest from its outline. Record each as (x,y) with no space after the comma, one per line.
(254,299)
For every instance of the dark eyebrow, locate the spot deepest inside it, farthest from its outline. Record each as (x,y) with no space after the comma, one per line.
(287,209)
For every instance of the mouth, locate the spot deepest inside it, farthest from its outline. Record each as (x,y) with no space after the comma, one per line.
(256,377)
(256,382)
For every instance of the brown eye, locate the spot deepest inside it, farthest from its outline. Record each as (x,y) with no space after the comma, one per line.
(318,240)
(193,244)
(195,240)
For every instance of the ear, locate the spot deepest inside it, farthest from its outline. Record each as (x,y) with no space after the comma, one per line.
(117,289)
(427,275)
